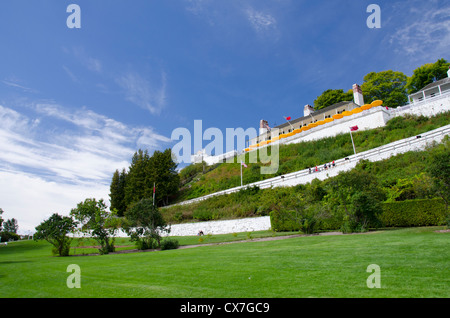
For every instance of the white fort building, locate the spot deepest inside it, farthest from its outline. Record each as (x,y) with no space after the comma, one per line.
(338,118)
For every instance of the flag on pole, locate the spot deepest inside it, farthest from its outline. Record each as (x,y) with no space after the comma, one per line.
(267,126)
(288,119)
(242,163)
(154,191)
(354,128)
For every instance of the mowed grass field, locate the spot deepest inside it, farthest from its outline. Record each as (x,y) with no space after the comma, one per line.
(413,263)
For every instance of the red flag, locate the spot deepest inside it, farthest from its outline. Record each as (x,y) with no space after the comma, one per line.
(288,118)
(354,128)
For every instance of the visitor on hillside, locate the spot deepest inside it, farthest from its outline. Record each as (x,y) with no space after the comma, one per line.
(325,166)
(309,170)
(334,164)
(316,169)
(200,233)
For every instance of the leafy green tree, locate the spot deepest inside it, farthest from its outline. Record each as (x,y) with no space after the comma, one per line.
(144,223)
(427,74)
(98,222)
(332,96)
(388,86)
(55,230)
(11,226)
(356,192)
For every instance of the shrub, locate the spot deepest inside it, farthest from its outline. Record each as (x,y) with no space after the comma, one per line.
(169,244)
(425,212)
(9,236)
(202,214)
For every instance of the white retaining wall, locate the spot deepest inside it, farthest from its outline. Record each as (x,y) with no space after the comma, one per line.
(222,227)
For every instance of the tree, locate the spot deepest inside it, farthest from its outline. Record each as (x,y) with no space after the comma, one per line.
(332,96)
(138,179)
(55,230)
(117,192)
(439,169)
(98,222)
(356,192)
(144,223)
(145,172)
(427,74)
(164,175)
(1,219)
(388,86)
(11,226)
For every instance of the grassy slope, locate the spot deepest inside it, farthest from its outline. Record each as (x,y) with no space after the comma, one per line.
(300,156)
(413,262)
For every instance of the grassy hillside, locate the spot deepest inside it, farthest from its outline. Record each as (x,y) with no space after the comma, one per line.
(300,156)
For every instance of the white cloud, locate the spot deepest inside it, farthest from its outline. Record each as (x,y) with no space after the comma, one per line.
(261,22)
(425,33)
(141,92)
(52,158)
(31,199)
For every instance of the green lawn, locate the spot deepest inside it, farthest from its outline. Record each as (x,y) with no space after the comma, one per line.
(413,262)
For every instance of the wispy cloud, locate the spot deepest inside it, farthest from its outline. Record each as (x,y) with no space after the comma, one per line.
(425,33)
(71,147)
(51,157)
(261,22)
(72,76)
(140,91)
(89,62)
(16,84)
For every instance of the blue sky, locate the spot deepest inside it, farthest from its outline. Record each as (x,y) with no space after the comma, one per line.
(75,104)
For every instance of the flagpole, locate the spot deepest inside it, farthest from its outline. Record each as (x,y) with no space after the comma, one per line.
(354,150)
(241,173)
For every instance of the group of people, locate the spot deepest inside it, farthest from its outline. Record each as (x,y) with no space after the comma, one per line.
(326,166)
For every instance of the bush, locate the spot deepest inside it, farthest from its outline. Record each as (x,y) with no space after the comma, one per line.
(169,244)
(426,212)
(9,236)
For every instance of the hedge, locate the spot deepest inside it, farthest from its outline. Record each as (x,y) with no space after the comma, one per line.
(412,213)
(409,213)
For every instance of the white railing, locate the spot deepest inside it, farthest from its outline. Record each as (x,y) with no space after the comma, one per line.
(415,143)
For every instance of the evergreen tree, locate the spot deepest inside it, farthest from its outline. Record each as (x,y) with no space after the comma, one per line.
(117,192)
(137,181)
(165,176)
